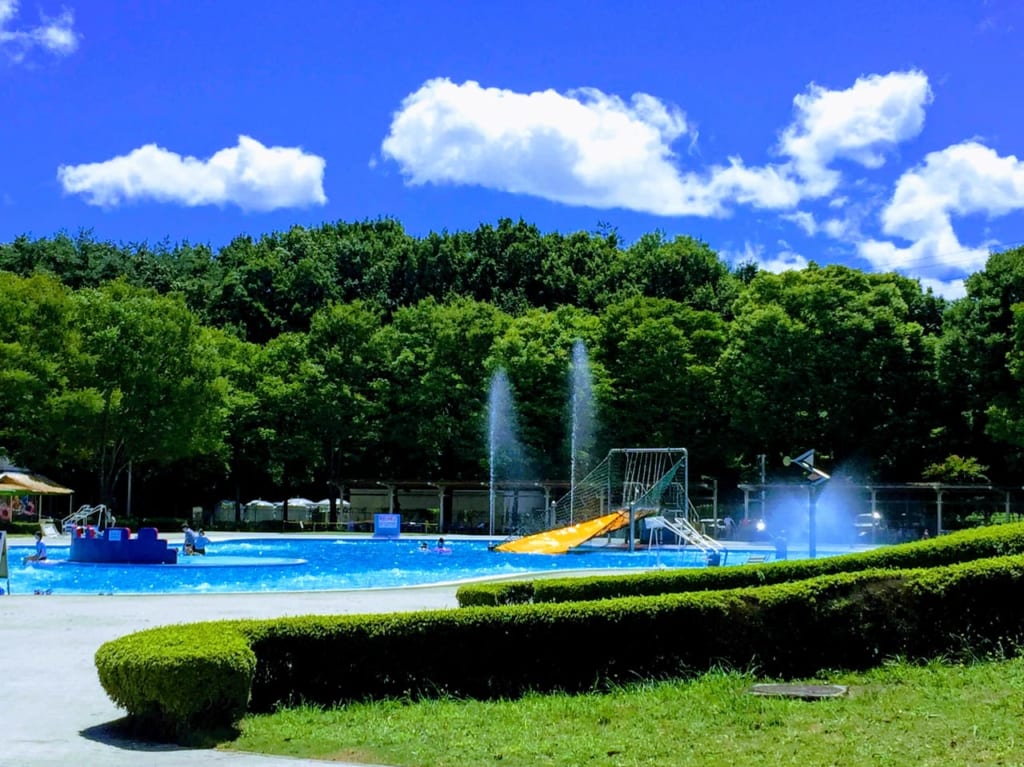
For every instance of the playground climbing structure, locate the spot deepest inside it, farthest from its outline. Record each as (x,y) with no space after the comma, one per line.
(628,485)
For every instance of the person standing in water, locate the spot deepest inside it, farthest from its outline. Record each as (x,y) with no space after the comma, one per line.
(190,540)
(199,545)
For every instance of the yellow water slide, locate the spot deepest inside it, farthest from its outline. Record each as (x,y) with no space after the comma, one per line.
(561,539)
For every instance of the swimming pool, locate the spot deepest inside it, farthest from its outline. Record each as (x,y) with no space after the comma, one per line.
(327,564)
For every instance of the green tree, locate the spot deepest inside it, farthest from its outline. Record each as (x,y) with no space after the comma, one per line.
(956,470)
(142,387)
(36,340)
(536,350)
(284,410)
(836,359)
(342,415)
(434,383)
(78,261)
(979,363)
(661,358)
(684,270)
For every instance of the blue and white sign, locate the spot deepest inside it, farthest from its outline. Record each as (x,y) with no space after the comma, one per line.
(387,525)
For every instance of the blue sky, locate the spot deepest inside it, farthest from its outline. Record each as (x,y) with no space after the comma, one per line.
(882,135)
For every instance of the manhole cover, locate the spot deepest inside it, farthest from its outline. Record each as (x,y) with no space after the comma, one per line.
(802,691)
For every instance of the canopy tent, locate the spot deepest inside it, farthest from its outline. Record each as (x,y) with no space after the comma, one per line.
(34,484)
(299,509)
(258,511)
(17,486)
(342,509)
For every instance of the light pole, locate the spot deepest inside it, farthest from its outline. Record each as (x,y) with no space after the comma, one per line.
(714,500)
(816,479)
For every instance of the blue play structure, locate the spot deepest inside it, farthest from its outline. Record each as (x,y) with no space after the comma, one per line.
(115,545)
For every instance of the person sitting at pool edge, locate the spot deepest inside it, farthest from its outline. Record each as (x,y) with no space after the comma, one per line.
(190,540)
(40,555)
(199,545)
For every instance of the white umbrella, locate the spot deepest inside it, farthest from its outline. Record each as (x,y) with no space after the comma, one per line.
(301,502)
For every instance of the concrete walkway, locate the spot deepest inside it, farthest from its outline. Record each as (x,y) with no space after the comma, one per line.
(56,714)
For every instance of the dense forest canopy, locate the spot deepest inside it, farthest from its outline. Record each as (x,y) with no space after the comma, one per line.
(352,352)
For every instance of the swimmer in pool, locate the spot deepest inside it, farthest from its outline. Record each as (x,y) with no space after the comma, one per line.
(40,555)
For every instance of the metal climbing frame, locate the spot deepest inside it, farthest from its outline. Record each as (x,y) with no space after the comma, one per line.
(630,483)
(98,516)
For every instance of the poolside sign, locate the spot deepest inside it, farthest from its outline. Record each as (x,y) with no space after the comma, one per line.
(387,525)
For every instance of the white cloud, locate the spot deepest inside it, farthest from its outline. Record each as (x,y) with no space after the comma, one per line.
(580,148)
(805,220)
(249,175)
(858,124)
(589,148)
(963,179)
(785,260)
(761,187)
(840,228)
(53,34)
(950,289)
(835,227)
(750,254)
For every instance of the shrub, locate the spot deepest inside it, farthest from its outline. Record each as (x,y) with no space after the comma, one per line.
(181,677)
(177,678)
(962,546)
(850,620)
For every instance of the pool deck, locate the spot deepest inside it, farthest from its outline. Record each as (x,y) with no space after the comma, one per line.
(57,714)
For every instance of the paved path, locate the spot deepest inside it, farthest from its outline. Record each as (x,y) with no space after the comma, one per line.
(56,714)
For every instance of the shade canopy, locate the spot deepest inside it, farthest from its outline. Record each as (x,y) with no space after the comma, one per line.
(35,484)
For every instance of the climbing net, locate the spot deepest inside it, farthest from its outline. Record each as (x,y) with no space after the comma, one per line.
(647,480)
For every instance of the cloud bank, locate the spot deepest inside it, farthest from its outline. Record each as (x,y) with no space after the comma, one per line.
(250,175)
(589,148)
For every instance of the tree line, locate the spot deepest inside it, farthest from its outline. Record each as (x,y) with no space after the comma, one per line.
(304,360)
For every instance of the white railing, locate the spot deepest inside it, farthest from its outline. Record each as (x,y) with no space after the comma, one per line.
(98,516)
(684,530)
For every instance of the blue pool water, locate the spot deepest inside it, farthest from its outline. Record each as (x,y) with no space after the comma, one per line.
(325,564)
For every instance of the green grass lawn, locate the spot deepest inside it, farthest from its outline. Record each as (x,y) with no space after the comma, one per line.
(899,715)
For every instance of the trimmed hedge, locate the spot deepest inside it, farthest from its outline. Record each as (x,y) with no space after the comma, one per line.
(209,674)
(177,678)
(962,546)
